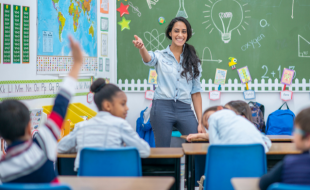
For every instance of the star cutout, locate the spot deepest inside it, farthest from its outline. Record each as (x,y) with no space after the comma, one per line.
(124,24)
(123,9)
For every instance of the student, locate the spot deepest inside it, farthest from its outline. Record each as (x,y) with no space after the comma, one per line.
(27,160)
(108,129)
(294,169)
(228,127)
(179,71)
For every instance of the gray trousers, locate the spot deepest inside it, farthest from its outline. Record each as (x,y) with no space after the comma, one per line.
(167,113)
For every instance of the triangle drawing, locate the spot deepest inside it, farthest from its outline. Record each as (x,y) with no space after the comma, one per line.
(303,47)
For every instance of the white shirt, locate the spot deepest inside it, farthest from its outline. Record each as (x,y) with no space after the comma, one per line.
(226,127)
(104,131)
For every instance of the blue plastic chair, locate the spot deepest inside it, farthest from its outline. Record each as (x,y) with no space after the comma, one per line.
(123,162)
(224,162)
(18,186)
(282,186)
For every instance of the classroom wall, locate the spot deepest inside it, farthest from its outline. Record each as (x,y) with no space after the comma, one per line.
(28,71)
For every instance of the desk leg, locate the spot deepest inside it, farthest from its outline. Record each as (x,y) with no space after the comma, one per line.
(177,174)
(190,178)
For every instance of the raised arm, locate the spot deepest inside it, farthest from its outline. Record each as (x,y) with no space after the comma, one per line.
(143,51)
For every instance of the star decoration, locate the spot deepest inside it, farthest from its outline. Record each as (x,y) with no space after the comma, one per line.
(123,9)
(124,24)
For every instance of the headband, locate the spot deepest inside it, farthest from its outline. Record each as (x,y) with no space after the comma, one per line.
(99,88)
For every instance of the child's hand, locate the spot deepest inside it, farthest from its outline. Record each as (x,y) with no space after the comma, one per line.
(191,136)
(77,58)
(138,42)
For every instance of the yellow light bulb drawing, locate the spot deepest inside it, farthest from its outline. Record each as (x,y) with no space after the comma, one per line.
(226,16)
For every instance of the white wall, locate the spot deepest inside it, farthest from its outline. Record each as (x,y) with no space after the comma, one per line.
(28,71)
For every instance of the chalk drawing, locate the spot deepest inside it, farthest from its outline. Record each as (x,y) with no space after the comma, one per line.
(181,12)
(263,23)
(151,2)
(279,70)
(292,9)
(225,22)
(264,76)
(134,9)
(303,53)
(154,39)
(209,54)
(253,42)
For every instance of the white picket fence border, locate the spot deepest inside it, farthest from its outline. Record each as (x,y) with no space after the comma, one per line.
(230,86)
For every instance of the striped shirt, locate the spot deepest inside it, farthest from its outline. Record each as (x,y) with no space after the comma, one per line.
(32,161)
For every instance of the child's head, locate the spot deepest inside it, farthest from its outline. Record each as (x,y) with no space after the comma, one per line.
(301,135)
(208,113)
(14,121)
(108,97)
(240,108)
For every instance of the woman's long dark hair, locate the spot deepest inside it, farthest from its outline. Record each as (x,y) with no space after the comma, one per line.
(190,59)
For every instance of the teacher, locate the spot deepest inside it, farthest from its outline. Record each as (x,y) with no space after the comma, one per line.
(179,71)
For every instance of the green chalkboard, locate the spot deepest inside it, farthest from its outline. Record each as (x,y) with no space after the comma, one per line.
(265,35)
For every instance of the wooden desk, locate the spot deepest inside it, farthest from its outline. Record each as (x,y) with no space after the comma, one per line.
(161,162)
(250,183)
(276,153)
(273,138)
(118,183)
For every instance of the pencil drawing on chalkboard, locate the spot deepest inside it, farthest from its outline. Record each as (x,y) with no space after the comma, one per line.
(134,9)
(151,2)
(181,12)
(208,56)
(226,16)
(303,47)
(154,39)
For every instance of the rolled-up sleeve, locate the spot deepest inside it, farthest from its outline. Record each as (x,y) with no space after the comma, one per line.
(153,61)
(196,82)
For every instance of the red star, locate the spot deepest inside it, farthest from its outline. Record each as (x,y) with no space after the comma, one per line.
(123,9)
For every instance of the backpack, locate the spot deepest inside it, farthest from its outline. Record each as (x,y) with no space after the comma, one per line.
(258,111)
(280,122)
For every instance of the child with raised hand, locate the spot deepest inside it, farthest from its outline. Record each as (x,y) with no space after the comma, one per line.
(231,125)
(108,129)
(32,161)
(294,169)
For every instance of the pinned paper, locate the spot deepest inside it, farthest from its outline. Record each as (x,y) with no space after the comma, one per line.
(249,95)
(104,6)
(214,95)
(90,97)
(161,20)
(36,117)
(152,77)
(220,76)
(286,95)
(287,76)
(123,9)
(149,94)
(124,24)
(244,75)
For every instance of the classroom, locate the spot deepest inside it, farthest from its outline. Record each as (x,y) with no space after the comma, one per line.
(154,94)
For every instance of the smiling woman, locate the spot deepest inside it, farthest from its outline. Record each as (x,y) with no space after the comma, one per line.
(179,71)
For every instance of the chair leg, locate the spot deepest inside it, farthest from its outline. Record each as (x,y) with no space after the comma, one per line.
(201,182)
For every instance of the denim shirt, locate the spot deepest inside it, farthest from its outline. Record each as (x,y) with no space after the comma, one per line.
(171,85)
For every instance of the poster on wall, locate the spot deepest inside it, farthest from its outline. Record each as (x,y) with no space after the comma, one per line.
(107,65)
(6,34)
(100,64)
(58,19)
(16,34)
(104,24)
(104,6)
(36,117)
(26,32)
(104,44)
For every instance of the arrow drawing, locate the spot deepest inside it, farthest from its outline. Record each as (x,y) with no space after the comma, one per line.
(211,60)
(293,9)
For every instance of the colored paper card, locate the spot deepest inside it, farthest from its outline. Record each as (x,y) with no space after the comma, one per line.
(100,64)
(6,34)
(287,76)
(220,76)
(214,95)
(152,77)
(123,9)
(104,24)
(90,97)
(149,94)
(249,95)
(104,6)
(244,75)
(26,30)
(16,34)
(286,95)
(36,117)
(104,44)
(107,65)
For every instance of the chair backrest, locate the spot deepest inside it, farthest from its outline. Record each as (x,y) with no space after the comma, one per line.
(34,187)
(123,161)
(224,162)
(282,186)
